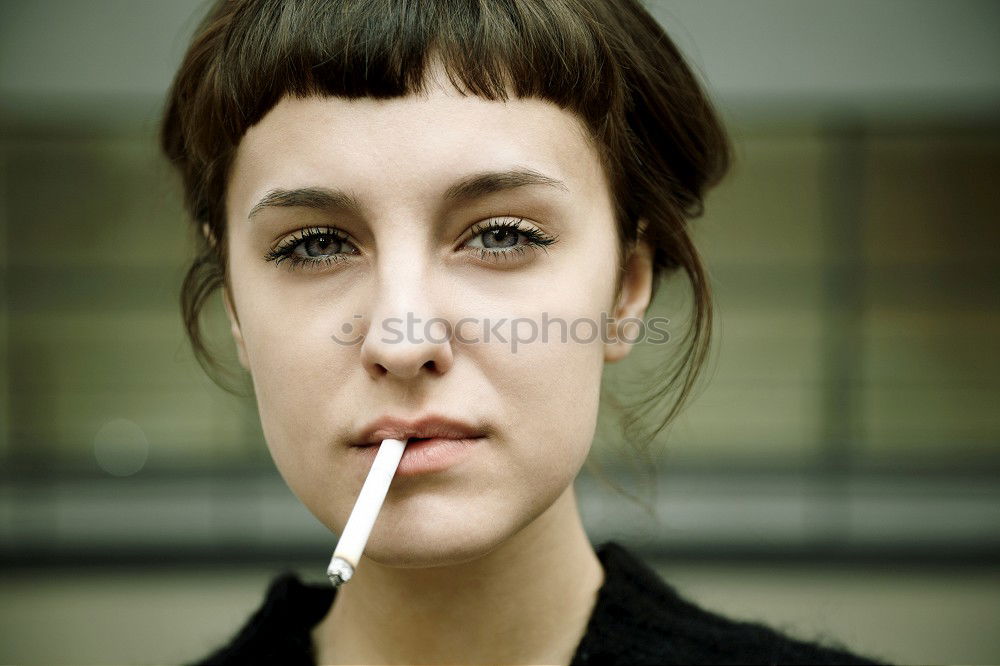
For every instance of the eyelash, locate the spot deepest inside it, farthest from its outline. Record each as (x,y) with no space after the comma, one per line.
(286,250)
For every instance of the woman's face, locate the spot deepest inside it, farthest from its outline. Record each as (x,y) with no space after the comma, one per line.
(319,338)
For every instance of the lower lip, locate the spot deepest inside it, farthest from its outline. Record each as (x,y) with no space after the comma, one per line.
(424,456)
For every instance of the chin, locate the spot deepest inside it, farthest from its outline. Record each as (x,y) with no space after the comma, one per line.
(437,538)
(433,550)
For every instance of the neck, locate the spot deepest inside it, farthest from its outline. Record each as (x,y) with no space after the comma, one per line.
(527,601)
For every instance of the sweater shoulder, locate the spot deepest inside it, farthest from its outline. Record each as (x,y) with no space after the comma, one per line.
(640,619)
(279,630)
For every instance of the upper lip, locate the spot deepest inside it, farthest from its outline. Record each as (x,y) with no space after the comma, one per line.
(391,427)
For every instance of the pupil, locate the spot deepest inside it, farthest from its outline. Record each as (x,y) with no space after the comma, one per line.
(322,242)
(499,235)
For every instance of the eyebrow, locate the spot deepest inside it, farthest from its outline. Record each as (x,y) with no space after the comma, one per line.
(467,189)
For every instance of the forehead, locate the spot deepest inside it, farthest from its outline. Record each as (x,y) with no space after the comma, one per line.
(411,147)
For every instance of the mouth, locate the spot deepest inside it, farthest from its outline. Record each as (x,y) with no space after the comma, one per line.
(410,441)
(423,429)
(426,455)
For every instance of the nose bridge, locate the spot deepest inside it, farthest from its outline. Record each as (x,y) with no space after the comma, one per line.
(403,272)
(404,335)
(403,284)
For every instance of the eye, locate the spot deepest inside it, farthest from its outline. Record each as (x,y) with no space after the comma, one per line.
(495,240)
(501,239)
(312,247)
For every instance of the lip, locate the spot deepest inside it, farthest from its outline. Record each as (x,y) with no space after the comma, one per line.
(430,426)
(425,456)
(440,443)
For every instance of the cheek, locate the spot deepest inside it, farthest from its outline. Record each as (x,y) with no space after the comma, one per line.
(299,376)
(296,368)
(555,378)
(558,395)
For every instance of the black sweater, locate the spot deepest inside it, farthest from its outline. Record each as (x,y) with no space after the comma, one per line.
(637,619)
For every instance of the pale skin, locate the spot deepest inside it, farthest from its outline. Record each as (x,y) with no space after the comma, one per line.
(486,561)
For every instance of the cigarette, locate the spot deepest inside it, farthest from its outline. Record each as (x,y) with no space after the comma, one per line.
(359,524)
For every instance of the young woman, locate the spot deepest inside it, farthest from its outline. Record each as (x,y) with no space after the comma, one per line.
(376,186)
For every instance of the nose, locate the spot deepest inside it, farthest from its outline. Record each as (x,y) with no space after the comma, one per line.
(407,336)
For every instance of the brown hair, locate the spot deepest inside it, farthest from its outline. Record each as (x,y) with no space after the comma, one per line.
(608,61)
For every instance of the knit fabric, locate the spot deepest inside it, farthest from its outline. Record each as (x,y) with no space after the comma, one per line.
(637,619)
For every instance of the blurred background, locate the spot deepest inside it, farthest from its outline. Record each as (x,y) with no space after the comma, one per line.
(835,477)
